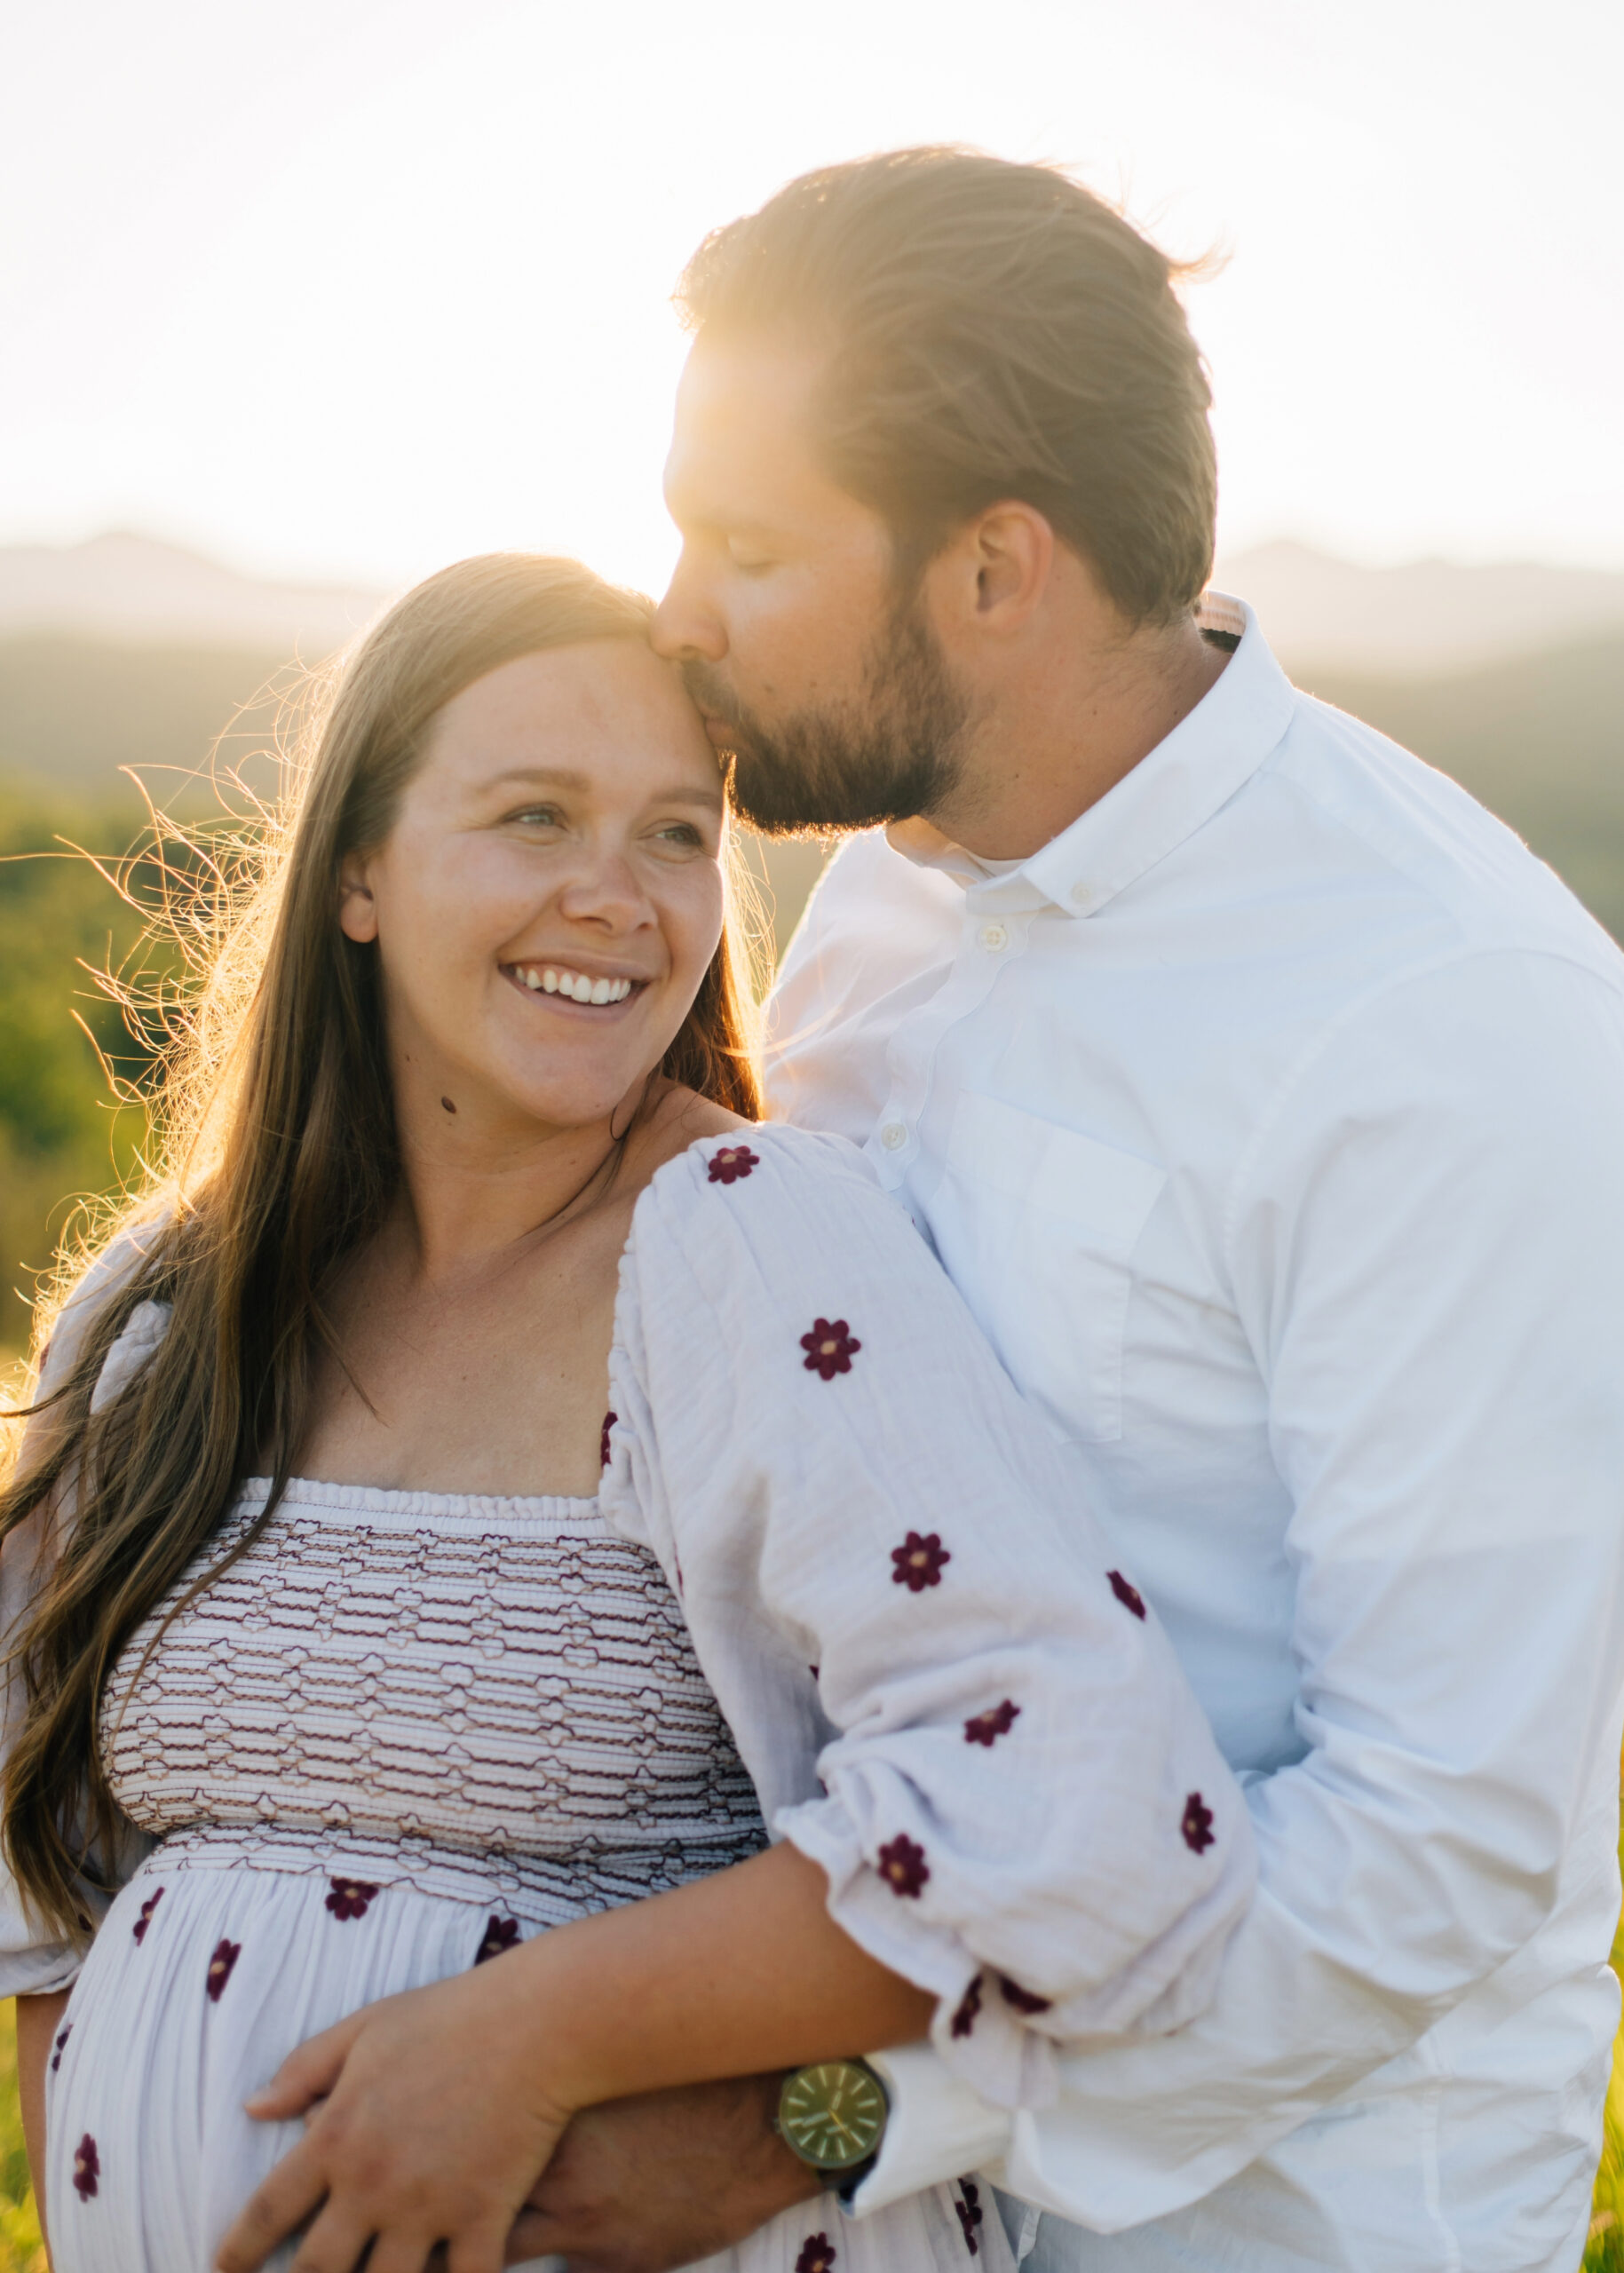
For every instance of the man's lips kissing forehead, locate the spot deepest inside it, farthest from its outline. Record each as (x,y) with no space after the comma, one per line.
(709,693)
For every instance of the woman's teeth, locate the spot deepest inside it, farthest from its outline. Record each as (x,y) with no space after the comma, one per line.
(547,979)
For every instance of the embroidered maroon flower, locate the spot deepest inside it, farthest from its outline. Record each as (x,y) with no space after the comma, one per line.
(919,1562)
(986,1728)
(970,2214)
(1197,1824)
(87,2169)
(1128,1596)
(731,1162)
(970,2005)
(1022,2000)
(139,1927)
(602,1442)
(829,1348)
(817,2255)
(903,1865)
(226,1955)
(349,1897)
(56,2057)
(500,1935)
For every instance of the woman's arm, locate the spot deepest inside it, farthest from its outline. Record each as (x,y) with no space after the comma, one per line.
(38,2019)
(441,2106)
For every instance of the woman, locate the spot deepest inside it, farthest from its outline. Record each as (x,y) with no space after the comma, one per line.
(321,1600)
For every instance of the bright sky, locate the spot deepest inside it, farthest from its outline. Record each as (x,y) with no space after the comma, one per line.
(349,288)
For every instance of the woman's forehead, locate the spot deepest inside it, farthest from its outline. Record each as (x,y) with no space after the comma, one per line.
(605,712)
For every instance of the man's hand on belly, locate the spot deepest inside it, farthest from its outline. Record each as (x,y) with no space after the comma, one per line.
(642,2185)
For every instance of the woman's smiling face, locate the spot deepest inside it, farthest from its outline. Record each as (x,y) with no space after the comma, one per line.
(550,897)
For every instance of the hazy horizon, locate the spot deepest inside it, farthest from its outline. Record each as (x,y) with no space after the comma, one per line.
(1416,619)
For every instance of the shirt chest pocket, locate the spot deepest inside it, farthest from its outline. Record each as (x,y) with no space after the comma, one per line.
(1037,1225)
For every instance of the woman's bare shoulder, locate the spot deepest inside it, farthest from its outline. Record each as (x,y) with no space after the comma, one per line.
(679,1119)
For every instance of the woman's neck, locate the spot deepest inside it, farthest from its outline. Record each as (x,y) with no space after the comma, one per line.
(473,1197)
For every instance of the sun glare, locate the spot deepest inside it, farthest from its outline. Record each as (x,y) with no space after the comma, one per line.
(352,291)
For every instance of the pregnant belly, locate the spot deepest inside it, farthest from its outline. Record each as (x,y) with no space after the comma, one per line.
(200,1983)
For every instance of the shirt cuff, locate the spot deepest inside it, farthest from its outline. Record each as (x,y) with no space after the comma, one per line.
(938,2129)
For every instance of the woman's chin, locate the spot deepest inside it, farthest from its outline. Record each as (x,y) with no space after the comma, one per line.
(548,1105)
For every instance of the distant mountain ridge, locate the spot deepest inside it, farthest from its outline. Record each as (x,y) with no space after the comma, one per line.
(133,588)
(1423,618)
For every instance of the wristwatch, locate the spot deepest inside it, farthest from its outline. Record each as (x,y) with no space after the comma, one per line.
(833,2117)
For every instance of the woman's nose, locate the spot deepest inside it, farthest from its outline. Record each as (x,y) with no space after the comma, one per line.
(603,888)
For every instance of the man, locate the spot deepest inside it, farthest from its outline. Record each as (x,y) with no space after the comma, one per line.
(1265,1098)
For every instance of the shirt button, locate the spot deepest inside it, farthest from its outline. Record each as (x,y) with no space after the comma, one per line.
(1081,895)
(994,935)
(893,1135)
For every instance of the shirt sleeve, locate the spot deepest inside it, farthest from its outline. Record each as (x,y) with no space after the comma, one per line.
(1427,1255)
(894,1586)
(32,1960)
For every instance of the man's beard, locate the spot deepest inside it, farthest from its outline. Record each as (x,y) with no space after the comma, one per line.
(890,754)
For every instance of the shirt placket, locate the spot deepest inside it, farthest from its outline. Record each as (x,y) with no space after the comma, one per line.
(992,935)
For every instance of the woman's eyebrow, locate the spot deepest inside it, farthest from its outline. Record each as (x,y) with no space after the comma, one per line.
(560,777)
(711,799)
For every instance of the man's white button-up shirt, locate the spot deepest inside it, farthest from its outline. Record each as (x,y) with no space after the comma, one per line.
(1271,1119)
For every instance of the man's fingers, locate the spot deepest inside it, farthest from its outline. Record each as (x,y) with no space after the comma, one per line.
(294,2189)
(399,2253)
(338,2243)
(306,2075)
(535,2235)
(479,2250)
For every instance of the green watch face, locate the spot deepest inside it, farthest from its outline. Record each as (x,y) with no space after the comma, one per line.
(832,2115)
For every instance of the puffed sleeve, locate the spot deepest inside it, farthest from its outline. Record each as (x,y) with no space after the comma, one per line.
(948,1693)
(34,1960)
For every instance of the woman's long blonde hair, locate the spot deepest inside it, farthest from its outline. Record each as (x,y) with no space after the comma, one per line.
(278,1157)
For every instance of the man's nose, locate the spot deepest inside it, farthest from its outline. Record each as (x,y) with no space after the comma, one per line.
(684,624)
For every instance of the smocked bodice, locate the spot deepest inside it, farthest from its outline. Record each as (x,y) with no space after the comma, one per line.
(487,1697)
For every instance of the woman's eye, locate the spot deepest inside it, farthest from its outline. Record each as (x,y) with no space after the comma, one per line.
(680,832)
(536,816)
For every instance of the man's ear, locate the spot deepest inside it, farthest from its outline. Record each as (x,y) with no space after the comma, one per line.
(1014,559)
(991,576)
(357,907)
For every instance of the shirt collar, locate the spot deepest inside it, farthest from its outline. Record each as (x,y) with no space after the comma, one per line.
(1165,799)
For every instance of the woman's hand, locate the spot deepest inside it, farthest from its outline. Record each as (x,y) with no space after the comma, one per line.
(429,2121)
(439,2109)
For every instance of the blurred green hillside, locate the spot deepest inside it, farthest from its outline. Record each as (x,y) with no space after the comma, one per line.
(72,711)
(60,923)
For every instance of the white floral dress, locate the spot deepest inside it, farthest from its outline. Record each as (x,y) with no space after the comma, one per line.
(836,1582)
